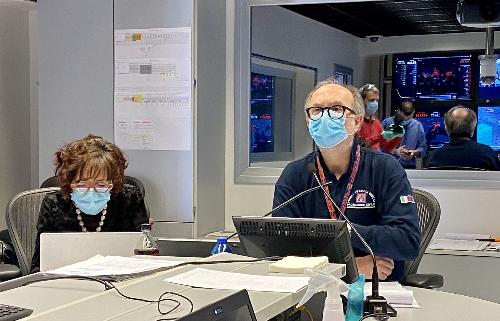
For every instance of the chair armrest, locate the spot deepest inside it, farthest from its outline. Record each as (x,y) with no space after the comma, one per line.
(425,281)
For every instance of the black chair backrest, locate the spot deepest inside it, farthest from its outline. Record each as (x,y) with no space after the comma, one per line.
(22,217)
(129,180)
(429,212)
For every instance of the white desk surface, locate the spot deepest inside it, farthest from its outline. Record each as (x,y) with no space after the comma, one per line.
(80,300)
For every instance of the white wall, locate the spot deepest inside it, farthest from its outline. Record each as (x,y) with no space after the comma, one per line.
(283,34)
(15,144)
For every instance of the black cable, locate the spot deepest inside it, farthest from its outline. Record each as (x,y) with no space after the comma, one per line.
(108,285)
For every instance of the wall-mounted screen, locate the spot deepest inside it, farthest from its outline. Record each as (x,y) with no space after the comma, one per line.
(261,113)
(488,126)
(490,91)
(435,132)
(433,77)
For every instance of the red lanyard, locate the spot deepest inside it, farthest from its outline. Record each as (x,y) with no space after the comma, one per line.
(329,204)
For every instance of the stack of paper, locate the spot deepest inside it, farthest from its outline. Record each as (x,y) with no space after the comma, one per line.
(470,243)
(209,279)
(114,268)
(465,236)
(297,264)
(395,294)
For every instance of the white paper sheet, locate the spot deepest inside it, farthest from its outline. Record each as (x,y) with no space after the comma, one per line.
(113,266)
(210,279)
(153,89)
(457,245)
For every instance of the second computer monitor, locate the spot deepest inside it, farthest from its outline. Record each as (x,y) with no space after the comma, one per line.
(277,236)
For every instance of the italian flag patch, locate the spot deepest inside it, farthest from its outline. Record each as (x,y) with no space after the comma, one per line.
(405,199)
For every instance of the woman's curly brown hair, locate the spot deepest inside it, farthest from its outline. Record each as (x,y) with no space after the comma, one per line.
(91,152)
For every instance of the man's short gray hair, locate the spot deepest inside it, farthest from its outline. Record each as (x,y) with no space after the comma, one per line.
(462,126)
(358,106)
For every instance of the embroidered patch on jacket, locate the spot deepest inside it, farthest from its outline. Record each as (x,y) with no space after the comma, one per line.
(405,199)
(361,199)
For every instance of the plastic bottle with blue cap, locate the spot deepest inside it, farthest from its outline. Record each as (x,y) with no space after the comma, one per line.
(221,246)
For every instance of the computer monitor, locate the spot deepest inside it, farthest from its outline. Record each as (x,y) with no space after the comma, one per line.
(491,90)
(278,236)
(488,126)
(438,76)
(236,307)
(435,132)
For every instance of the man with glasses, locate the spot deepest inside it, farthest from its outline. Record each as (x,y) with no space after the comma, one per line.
(369,187)
(414,144)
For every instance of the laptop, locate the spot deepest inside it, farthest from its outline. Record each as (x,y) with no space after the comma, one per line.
(60,249)
(236,307)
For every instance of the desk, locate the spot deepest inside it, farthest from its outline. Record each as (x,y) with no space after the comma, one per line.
(471,273)
(80,300)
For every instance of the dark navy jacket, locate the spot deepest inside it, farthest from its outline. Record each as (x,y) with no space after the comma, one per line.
(388,223)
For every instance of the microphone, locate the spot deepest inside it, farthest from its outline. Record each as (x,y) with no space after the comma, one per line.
(375,303)
(280,206)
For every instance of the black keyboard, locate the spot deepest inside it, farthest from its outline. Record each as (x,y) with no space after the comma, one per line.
(11,313)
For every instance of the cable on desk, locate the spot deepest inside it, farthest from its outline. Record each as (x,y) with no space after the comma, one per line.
(108,285)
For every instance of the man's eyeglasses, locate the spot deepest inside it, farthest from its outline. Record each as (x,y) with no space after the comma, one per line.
(84,187)
(334,112)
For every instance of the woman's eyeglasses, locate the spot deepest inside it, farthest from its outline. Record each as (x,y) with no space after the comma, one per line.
(84,187)
(334,112)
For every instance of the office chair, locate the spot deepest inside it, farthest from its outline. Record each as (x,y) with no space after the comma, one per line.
(21,217)
(129,180)
(429,212)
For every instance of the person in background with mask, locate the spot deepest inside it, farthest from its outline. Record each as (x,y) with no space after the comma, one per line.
(414,143)
(371,128)
(93,197)
(371,188)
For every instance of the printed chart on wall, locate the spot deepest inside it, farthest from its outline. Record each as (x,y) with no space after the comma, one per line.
(153,82)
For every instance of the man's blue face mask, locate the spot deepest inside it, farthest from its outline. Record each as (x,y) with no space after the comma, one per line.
(327,132)
(90,202)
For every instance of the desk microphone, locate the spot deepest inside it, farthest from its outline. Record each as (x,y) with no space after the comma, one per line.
(280,206)
(374,304)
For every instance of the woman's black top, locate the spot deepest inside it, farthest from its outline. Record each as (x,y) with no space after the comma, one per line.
(126,212)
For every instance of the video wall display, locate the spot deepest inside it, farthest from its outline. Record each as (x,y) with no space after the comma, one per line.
(434,77)
(436,82)
(433,123)
(488,126)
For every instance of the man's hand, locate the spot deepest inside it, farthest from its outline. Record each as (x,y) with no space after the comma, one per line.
(384,266)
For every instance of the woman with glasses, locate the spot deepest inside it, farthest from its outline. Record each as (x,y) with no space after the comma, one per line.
(93,197)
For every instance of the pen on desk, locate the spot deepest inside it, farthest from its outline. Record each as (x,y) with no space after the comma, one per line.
(490,240)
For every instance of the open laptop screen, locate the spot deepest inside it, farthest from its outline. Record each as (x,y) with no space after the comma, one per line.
(236,307)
